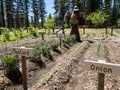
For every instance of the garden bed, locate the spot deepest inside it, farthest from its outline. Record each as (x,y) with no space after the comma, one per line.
(65,71)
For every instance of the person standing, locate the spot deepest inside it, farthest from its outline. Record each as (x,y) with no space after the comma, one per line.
(75,19)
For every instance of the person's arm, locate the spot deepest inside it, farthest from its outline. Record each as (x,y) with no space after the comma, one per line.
(67,14)
(65,17)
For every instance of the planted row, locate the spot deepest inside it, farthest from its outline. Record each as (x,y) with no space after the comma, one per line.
(8,35)
(11,62)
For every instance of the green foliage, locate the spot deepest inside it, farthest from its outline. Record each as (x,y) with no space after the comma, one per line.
(37,53)
(98,49)
(54,45)
(46,49)
(50,23)
(33,31)
(20,33)
(10,61)
(69,39)
(65,25)
(72,38)
(118,22)
(6,35)
(97,17)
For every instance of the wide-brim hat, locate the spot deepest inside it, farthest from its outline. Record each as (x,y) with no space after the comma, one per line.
(76,8)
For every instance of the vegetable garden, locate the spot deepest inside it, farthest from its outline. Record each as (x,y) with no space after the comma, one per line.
(58,60)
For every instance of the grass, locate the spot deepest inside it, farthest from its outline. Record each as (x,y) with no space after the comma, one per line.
(116,32)
(92,30)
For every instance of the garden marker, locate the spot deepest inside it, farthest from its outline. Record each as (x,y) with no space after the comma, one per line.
(60,36)
(102,68)
(24,52)
(42,33)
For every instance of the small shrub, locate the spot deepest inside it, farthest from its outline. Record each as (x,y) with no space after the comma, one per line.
(65,41)
(46,49)
(54,45)
(69,39)
(10,61)
(16,33)
(72,38)
(33,31)
(37,53)
(12,68)
(6,35)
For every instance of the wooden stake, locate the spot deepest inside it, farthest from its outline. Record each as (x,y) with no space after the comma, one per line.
(101,77)
(24,74)
(83,29)
(111,31)
(60,42)
(106,31)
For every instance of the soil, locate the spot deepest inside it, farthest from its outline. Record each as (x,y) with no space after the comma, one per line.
(71,74)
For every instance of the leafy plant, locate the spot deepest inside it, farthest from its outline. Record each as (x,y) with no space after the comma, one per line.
(72,38)
(33,31)
(97,18)
(6,35)
(49,24)
(12,69)
(10,61)
(54,45)
(69,39)
(46,49)
(37,53)
(118,22)
(98,48)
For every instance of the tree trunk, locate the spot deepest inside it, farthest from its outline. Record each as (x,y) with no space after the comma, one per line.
(26,14)
(2,13)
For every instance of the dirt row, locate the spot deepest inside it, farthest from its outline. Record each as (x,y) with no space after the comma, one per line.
(73,76)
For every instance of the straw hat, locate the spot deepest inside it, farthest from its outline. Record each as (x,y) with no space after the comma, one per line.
(76,8)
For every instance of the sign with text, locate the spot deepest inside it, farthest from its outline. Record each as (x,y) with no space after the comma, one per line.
(23,51)
(102,67)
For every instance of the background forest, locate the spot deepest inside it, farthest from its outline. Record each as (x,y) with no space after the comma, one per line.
(23,13)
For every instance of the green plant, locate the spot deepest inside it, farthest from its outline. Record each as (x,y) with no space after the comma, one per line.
(54,45)
(50,23)
(6,35)
(69,39)
(65,41)
(16,33)
(98,48)
(11,65)
(97,17)
(37,53)
(72,38)
(118,22)
(10,61)
(33,31)
(46,49)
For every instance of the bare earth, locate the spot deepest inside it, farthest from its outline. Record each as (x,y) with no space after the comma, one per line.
(71,74)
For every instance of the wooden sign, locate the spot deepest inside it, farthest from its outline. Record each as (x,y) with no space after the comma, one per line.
(41,32)
(59,35)
(102,67)
(22,51)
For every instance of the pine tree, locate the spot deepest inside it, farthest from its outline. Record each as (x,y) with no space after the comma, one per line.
(42,11)
(2,13)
